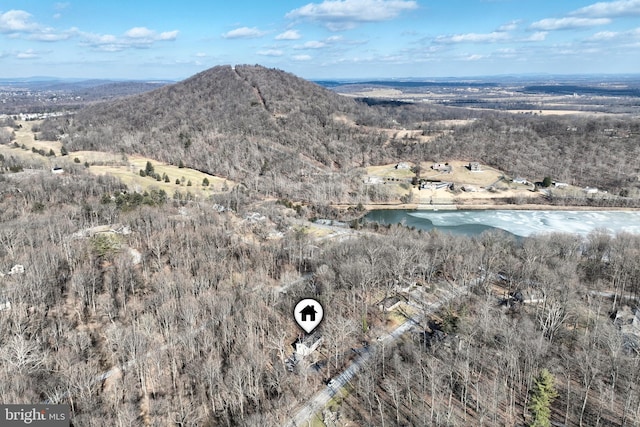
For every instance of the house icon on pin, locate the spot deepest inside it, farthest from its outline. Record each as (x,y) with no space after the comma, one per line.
(310,312)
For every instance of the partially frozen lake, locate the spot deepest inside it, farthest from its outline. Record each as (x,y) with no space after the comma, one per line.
(517,222)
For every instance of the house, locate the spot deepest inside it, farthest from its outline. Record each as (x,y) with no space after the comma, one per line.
(438,166)
(308,312)
(403,165)
(520,180)
(442,167)
(590,190)
(304,346)
(474,167)
(57,170)
(389,303)
(525,296)
(560,184)
(16,269)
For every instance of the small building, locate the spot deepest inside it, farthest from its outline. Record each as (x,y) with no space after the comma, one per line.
(439,166)
(590,190)
(403,165)
(560,184)
(524,296)
(474,167)
(57,170)
(307,345)
(389,303)
(520,180)
(16,269)
(442,167)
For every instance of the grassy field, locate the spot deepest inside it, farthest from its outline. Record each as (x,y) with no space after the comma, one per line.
(462,175)
(130,175)
(127,169)
(390,171)
(25,156)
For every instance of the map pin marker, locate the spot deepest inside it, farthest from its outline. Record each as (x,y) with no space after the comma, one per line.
(308,314)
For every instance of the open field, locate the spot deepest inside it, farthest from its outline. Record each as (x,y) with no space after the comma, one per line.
(26,136)
(390,171)
(462,175)
(127,169)
(130,175)
(25,155)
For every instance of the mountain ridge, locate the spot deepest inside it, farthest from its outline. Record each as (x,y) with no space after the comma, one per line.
(247,123)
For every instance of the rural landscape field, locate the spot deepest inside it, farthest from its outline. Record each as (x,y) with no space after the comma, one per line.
(471,236)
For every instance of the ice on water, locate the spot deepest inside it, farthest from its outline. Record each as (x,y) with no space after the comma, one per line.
(525,222)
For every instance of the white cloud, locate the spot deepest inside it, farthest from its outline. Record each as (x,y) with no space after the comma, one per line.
(168,35)
(494,37)
(551,24)
(610,9)
(345,14)
(314,44)
(474,57)
(17,21)
(49,35)
(201,55)
(538,36)
(136,37)
(244,33)
(329,41)
(271,52)
(61,5)
(604,35)
(289,35)
(28,54)
(18,24)
(510,26)
(302,57)
(139,33)
(622,37)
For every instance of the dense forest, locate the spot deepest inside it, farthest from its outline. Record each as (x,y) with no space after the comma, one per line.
(148,323)
(148,308)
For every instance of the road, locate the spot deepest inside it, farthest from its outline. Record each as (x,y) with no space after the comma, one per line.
(320,399)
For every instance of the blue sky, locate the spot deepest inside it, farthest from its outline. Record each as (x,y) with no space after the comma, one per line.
(170,39)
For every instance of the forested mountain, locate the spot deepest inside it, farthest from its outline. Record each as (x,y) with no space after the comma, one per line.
(238,122)
(278,134)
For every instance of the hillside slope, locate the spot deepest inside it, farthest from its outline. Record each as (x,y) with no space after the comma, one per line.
(240,123)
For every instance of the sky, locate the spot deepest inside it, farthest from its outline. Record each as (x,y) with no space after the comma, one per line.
(325,39)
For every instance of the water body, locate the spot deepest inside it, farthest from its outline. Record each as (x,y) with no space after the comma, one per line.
(521,223)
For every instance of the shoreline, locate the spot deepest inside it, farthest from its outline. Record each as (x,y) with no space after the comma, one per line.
(488,206)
